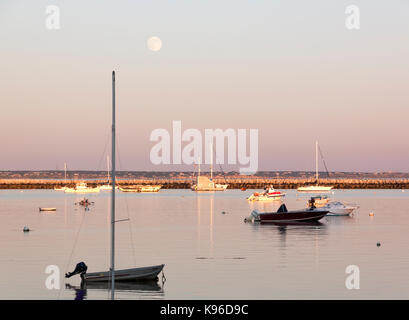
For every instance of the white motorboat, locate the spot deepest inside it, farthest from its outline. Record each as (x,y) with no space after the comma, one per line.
(337,208)
(82,188)
(270,194)
(317,187)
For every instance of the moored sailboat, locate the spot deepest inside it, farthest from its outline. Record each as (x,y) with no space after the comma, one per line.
(112,275)
(316,187)
(203,183)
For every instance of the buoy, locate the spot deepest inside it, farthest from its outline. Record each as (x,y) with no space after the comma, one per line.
(371,214)
(26,229)
(378,244)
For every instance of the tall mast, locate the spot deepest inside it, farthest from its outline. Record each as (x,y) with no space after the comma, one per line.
(65,173)
(316,161)
(113,192)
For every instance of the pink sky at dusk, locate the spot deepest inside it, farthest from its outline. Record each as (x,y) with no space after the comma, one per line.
(289,69)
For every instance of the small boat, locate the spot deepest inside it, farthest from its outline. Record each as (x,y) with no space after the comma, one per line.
(134,274)
(47,209)
(270,194)
(336,208)
(85,202)
(141,188)
(317,187)
(82,188)
(284,216)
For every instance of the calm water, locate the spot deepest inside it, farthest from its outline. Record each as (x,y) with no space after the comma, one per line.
(208,255)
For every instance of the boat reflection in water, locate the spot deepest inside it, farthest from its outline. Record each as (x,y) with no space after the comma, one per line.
(142,290)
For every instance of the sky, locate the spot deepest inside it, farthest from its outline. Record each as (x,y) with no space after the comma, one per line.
(290,69)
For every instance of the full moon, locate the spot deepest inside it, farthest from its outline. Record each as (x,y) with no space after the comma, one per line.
(154,43)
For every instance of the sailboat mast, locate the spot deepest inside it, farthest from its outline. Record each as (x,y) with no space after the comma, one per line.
(316,161)
(113,192)
(65,173)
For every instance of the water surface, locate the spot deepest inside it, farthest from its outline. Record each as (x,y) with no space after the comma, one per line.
(208,254)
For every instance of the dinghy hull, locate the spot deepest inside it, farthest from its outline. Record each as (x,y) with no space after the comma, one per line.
(135,274)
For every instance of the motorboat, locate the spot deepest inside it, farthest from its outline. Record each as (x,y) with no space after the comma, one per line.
(337,208)
(311,214)
(316,187)
(82,188)
(270,194)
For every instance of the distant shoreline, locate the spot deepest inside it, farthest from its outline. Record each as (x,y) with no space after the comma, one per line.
(234,183)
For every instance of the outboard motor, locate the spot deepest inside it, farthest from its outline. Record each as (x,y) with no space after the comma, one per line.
(311,203)
(79,268)
(282,209)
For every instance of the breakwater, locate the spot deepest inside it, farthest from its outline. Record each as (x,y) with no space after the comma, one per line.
(234,183)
